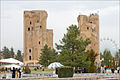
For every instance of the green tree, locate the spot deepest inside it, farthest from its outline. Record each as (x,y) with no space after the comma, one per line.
(101,56)
(117,55)
(48,56)
(6,53)
(0,55)
(53,55)
(113,63)
(12,52)
(107,58)
(119,62)
(92,57)
(19,56)
(72,48)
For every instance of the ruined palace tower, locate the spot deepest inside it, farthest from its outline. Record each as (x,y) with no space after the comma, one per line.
(35,34)
(89,28)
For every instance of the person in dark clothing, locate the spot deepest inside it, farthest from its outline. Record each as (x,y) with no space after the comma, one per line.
(56,70)
(105,69)
(112,70)
(84,70)
(19,71)
(118,69)
(13,72)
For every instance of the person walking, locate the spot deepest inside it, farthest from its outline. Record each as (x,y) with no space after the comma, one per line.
(105,69)
(19,71)
(112,70)
(118,69)
(13,72)
(16,73)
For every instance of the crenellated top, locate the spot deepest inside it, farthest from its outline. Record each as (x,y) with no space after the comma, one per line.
(35,12)
(92,18)
(35,18)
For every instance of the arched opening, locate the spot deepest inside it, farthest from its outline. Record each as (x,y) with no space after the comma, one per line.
(29,50)
(39,42)
(87,28)
(29,29)
(30,22)
(29,57)
(40,27)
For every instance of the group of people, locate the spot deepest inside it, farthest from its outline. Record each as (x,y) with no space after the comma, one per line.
(16,73)
(105,68)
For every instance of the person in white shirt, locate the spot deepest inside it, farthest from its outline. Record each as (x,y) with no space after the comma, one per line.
(118,69)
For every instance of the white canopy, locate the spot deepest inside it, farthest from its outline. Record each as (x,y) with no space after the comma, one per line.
(11,61)
(55,65)
(11,66)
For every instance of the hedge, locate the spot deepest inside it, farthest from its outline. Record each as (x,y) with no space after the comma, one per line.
(64,72)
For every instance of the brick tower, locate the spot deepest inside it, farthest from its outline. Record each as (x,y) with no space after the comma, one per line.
(89,28)
(35,35)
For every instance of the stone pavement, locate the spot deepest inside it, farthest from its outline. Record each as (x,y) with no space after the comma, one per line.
(82,76)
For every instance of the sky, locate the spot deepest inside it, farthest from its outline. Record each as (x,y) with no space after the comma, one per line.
(61,14)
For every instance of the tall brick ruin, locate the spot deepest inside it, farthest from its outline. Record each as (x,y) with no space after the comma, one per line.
(36,35)
(89,28)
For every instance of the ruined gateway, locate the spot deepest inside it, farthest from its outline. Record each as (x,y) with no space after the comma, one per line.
(36,35)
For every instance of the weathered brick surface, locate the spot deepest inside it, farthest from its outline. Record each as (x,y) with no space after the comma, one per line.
(35,34)
(89,28)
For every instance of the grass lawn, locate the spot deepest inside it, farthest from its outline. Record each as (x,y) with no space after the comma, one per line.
(39,71)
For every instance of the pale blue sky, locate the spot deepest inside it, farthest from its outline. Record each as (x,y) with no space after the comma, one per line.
(61,14)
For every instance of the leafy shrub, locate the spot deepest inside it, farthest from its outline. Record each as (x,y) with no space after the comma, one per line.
(65,72)
(92,68)
(35,69)
(27,70)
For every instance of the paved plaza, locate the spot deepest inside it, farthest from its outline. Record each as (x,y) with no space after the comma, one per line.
(80,76)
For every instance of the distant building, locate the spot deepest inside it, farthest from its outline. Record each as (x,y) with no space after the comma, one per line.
(89,28)
(35,35)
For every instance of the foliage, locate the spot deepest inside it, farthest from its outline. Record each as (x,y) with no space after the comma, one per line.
(72,48)
(35,69)
(27,70)
(107,58)
(48,56)
(12,52)
(117,56)
(119,62)
(113,63)
(64,72)
(92,57)
(40,71)
(7,53)
(19,56)
(53,56)
(0,54)
(101,56)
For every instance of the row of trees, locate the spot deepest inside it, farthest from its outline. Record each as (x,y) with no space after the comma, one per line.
(108,59)
(6,53)
(72,51)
